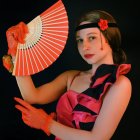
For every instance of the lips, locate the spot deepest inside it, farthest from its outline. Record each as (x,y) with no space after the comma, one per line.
(88,56)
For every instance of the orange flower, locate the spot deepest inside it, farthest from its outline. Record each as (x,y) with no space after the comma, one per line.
(7,63)
(103,24)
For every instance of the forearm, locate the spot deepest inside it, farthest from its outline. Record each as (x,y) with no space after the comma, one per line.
(66,133)
(27,88)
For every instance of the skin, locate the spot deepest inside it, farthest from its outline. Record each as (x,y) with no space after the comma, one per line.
(90,41)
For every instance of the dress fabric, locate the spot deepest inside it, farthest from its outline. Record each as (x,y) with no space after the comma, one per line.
(80,110)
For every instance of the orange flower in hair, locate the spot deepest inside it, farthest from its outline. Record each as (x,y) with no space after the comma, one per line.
(103,24)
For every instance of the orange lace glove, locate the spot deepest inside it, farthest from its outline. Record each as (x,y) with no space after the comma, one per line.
(33,117)
(16,34)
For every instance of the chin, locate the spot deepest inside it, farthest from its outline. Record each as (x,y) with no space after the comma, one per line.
(89,62)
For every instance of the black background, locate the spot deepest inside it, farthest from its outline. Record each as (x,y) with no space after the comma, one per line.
(12,12)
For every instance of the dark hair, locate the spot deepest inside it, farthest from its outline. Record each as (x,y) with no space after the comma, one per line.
(113,34)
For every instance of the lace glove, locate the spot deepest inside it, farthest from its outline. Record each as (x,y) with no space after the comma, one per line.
(33,117)
(16,34)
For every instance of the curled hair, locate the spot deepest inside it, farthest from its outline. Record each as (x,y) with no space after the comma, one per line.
(112,35)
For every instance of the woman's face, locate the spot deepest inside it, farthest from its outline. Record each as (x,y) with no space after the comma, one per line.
(92,46)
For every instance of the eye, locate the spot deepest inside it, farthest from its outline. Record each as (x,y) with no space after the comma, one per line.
(79,41)
(91,38)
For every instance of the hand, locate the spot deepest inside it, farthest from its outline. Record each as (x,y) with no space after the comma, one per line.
(33,117)
(16,34)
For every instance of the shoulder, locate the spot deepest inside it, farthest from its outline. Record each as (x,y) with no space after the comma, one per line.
(122,82)
(122,88)
(63,79)
(68,75)
(71,74)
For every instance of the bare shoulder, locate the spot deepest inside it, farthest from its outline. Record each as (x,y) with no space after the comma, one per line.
(123,82)
(66,76)
(122,87)
(70,74)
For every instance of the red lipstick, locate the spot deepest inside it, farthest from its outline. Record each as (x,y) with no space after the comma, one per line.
(88,56)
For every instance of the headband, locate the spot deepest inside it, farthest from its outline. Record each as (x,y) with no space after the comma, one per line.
(102,25)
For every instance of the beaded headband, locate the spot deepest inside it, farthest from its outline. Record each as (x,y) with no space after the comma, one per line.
(102,25)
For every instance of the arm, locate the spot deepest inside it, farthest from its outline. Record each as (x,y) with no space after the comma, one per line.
(46,93)
(43,94)
(114,105)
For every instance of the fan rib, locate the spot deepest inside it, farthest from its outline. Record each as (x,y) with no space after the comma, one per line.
(23,61)
(57,30)
(56,10)
(53,43)
(46,50)
(34,60)
(49,48)
(27,66)
(29,51)
(56,39)
(55,16)
(46,53)
(39,50)
(56,23)
(18,60)
(37,54)
(63,18)
(56,35)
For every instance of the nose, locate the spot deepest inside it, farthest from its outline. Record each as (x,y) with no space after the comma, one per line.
(86,45)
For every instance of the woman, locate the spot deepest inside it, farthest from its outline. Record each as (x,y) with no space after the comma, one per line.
(93,101)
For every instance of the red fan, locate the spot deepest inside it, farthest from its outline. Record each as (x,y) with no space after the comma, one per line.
(45,41)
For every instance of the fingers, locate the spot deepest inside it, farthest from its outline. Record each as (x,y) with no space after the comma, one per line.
(13,32)
(22,109)
(12,45)
(53,115)
(18,32)
(24,28)
(24,103)
(21,33)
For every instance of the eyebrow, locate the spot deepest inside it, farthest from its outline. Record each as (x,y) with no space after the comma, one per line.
(88,34)
(91,33)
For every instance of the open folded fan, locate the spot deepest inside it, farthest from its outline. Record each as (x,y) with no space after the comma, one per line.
(45,41)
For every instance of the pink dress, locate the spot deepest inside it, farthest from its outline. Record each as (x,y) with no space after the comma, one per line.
(80,110)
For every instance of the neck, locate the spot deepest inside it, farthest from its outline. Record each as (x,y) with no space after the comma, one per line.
(93,69)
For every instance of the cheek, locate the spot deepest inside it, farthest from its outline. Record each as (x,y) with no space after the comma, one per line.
(96,44)
(80,48)
(80,51)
